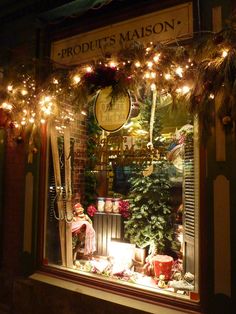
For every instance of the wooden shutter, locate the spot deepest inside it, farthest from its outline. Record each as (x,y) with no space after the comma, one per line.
(189,205)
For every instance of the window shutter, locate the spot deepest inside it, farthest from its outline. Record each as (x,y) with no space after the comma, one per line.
(189,188)
(189,205)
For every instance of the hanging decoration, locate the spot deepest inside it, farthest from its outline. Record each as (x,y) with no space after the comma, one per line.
(201,79)
(214,91)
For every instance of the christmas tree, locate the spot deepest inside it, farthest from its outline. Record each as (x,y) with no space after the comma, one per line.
(150,223)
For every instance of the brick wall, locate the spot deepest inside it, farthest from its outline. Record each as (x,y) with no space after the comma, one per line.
(13,204)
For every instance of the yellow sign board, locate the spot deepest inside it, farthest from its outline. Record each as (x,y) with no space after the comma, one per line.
(175,23)
(110,112)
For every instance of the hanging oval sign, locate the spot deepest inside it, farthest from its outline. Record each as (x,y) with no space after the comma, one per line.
(112,112)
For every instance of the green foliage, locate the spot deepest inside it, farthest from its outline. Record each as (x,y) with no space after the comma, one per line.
(150,223)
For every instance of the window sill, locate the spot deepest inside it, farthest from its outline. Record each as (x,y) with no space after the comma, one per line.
(85,289)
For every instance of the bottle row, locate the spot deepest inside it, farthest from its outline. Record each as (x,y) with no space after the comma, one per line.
(108,204)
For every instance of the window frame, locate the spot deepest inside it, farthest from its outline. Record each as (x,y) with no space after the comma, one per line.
(117,288)
(205,287)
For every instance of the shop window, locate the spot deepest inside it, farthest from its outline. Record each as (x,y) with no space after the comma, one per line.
(122,205)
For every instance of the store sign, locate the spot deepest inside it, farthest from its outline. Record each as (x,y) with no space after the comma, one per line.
(175,23)
(110,112)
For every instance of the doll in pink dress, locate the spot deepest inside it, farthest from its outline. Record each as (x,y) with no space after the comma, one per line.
(82,228)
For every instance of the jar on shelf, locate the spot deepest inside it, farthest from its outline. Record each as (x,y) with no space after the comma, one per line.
(101,204)
(108,204)
(115,207)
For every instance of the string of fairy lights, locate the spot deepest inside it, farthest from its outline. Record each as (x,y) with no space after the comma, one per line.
(163,69)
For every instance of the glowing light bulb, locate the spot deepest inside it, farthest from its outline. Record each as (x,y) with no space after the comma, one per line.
(10,88)
(89,69)
(224,53)
(6,106)
(112,64)
(76,79)
(147,75)
(47,110)
(149,64)
(185,89)
(137,64)
(153,87)
(156,58)
(179,71)
(55,81)
(83,113)
(24,92)
(47,98)
(42,121)
(167,76)
(211,96)
(153,74)
(31,120)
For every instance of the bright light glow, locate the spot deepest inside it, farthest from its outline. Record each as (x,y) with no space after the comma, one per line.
(179,71)
(167,76)
(153,87)
(156,58)
(137,64)
(42,121)
(83,113)
(112,64)
(147,75)
(31,120)
(153,74)
(47,110)
(47,98)
(185,89)
(76,79)
(224,53)
(89,69)
(149,64)
(10,88)
(24,92)
(122,253)
(211,96)
(179,90)
(6,106)
(55,81)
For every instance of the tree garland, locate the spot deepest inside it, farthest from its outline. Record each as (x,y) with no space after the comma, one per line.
(202,79)
(214,91)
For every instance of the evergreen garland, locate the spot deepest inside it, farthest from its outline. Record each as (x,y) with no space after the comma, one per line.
(214,92)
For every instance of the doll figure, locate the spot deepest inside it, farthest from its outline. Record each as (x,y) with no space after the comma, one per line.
(82,228)
(79,213)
